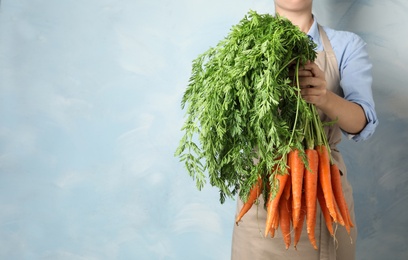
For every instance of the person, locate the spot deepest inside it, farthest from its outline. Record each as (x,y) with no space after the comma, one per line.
(338,83)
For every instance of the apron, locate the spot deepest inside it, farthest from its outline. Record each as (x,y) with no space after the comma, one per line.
(248,241)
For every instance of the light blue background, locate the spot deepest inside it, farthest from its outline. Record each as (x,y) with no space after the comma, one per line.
(90,118)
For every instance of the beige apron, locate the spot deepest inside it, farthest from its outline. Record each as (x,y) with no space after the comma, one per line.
(248,242)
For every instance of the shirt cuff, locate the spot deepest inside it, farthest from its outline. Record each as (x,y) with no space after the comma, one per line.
(368,130)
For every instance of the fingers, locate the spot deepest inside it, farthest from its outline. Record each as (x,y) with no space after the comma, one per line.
(313,90)
(312,83)
(312,69)
(305,73)
(313,95)
(310,75)
(302,72)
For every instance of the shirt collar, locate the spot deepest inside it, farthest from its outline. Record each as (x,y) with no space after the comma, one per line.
(314,34)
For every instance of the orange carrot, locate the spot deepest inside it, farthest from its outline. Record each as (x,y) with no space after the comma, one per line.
(284,220)
(339,196)
(325,211)
(325,179)
(340,219)
(253,196)
(276,220)
(349,218)
(272,232)
(297,168)
(288,188)
(311,173)
(299,228)
(275,224)
(273,200)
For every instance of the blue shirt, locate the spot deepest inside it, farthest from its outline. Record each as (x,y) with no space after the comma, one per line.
(355,72)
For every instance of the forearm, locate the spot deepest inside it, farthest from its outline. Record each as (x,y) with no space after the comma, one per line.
(350,116)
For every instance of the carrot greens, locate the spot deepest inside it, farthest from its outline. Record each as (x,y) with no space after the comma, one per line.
(242,104)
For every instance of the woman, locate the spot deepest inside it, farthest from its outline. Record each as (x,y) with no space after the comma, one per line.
(338,83)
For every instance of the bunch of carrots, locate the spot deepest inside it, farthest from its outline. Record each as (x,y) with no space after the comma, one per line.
(241,103)
(310,177)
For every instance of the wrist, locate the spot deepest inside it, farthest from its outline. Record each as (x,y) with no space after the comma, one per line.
(326,104)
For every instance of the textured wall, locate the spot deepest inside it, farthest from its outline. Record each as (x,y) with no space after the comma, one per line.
(90,117)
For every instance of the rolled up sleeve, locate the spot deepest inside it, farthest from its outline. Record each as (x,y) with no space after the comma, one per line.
(356,83)
(369,129)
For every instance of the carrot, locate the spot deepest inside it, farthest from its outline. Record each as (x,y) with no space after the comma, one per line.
(272,232)
(325,179)
(340,219)
(276,220)
(296,167)
(339,196)
(311,173)
(299,228)
(284,220)
(275,224)
(253,196)
(325,211)
(349,218)
(273,200)
(288,189)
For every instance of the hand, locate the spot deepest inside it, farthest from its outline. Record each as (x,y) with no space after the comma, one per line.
(313,84)
(313,87)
